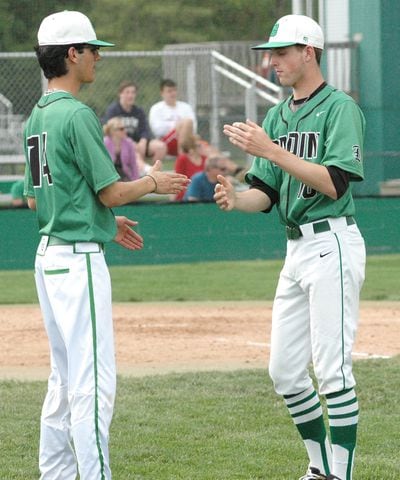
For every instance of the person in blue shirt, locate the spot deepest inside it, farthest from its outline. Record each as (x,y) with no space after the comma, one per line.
(203,183)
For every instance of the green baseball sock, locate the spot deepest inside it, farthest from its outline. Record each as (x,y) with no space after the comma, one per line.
(343,420)
(306,411)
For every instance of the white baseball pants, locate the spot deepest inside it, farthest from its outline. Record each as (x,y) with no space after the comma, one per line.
(74,290)
(316,309)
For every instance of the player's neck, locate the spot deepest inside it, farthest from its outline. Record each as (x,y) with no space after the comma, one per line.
(305,87)
(64,83)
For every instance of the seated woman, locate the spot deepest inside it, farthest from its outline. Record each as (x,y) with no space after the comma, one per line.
(191,160)
(121,149)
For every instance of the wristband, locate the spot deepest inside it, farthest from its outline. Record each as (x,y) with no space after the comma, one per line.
(154,180)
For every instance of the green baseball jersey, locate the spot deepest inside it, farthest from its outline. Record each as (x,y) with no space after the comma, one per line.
(328,130)
(67,164)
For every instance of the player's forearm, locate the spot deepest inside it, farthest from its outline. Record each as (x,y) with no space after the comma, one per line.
(253,139)
(311,174)
(251,200)
(121,193)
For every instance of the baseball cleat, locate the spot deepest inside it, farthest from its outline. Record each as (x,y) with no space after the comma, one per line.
(314,474)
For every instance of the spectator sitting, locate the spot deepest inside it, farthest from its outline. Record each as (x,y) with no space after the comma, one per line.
(171,120)
(191,160)
(121,149)
(135,122)
(201,188)
(17,194)
(236,172)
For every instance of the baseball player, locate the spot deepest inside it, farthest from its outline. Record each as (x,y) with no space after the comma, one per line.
(71,182)
(307,152)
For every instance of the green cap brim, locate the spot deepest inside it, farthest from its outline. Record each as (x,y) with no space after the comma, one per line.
(100,43)
(269,45)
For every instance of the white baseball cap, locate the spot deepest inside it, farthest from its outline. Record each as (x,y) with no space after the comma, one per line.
(292,30)
(68,28)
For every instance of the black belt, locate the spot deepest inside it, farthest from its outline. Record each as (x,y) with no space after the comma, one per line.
(293,233)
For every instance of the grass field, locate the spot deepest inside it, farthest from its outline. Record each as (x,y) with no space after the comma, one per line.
(251,280)
(209,426)
(213,425)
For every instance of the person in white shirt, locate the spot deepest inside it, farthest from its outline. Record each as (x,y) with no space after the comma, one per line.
(171,120)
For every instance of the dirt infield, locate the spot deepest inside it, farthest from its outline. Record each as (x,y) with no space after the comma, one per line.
(163,337)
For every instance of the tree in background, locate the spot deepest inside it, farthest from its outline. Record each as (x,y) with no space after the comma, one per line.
(19,20)
(146,24)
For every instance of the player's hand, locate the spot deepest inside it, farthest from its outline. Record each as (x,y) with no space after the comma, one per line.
(168,182)
(126,236)
(224,195)
(249,137)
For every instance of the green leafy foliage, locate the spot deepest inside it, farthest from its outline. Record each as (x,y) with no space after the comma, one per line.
(146,24)
(19,20)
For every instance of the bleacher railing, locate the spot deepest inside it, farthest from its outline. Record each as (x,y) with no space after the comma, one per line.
(254,86)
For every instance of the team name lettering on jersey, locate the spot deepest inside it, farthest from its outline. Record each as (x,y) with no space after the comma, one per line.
(302,144)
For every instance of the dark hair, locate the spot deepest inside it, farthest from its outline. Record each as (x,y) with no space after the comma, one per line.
(167,82)
(318,55)
(126,84)
(51,58)
(318,52)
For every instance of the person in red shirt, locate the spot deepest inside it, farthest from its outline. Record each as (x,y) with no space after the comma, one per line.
(191,160)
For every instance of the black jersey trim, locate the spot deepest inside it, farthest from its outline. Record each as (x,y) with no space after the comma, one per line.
(283,119)
(312,110)
(299,101)
(272,194)
(340,179)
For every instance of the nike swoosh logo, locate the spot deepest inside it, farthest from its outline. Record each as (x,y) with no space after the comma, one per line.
(322,255)
(320,113)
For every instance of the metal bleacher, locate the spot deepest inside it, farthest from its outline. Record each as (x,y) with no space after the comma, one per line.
(11,151)
(11,128)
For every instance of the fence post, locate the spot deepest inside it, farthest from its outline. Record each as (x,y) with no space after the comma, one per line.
(214,117)
(251,109)
(191,84)
(250,102)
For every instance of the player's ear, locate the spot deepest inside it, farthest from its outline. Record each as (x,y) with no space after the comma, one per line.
(309,53)
(72,54)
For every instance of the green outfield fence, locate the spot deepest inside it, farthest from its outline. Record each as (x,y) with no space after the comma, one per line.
(179,233)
